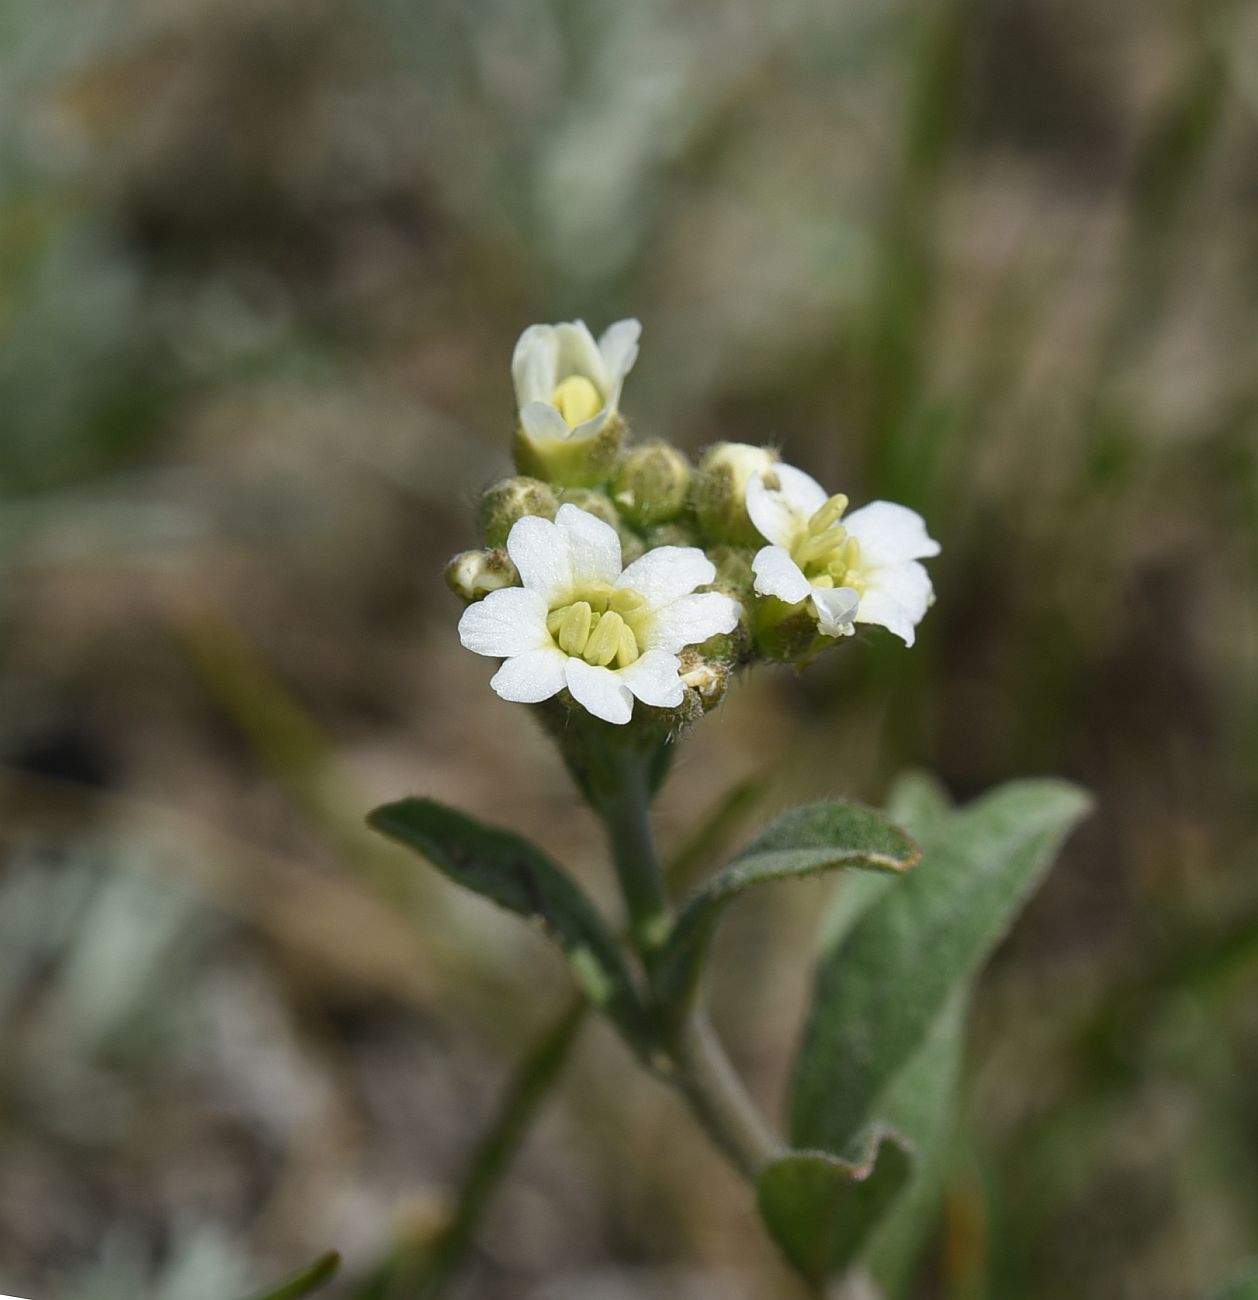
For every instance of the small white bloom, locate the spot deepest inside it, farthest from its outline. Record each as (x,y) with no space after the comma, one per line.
(579,621)
(566,384)
(862,569)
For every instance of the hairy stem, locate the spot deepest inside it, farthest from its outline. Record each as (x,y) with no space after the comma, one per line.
(719,1100)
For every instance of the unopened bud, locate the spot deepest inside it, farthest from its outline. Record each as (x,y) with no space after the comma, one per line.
(708,680)
(720,492)
(509,500)
(651,484)
(472,575)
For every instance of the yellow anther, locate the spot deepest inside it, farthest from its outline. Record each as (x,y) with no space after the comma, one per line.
(577,400)
(624,601)
(828,514)
(816,548)
(604,641)
(575,630)
(822,580)
(627,651)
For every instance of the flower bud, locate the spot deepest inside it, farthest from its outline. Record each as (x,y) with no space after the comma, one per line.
(509,500)
(720,492)
(570,461)
(651,484)
(474,574)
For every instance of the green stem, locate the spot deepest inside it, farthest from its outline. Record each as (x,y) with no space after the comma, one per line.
(626,813)
(719,1100)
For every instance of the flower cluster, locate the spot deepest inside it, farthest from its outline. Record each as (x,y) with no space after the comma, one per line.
(615,573)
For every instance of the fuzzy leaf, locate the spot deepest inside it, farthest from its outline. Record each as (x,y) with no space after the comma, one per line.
(803,842)
(517,875)
(821,1209)
(883,985)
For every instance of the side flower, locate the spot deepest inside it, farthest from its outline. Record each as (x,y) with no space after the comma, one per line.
(860,569)
(580,621)
(567,391)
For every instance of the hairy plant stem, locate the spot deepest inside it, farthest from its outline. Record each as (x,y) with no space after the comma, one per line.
(695,1063)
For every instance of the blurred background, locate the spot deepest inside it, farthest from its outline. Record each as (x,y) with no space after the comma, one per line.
(262,263)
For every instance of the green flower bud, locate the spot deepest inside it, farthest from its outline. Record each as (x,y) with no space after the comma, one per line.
(680,533)
(584,461)
(509,500)
(720,491)
(651,484)
(474,574)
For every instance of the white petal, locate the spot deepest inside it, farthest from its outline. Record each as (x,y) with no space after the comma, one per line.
(836,609)
(896,597)
(667,572)
(778,575)
(619,347)
(592,427)
(531,677)
(593,547)
(889,533)
(878,607)
(599,690)
(653,678)
(539,550)
(511,621)
(780,512)
(691,620)
(579,355)
(533,365)
(776,520)
(542,421)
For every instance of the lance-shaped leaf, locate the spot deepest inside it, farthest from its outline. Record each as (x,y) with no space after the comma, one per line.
(884,984)
(517,875)
(802,842)
(308,1280)
(820,1209)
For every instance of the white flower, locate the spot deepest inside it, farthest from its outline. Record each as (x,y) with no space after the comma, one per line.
(566,384)
(862,570)
(579,621)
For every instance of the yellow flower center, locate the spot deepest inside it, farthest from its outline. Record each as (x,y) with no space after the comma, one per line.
(600,628)
(576,399)
(825,553)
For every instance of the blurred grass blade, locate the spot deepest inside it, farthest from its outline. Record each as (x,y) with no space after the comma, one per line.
(882,987)
(310,1279)
(515,874)
(802,842)
(529,1088)
(821,1209)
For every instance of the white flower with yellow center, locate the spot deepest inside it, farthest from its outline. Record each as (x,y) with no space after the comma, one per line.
(579,621)
(567,386)
(859,569)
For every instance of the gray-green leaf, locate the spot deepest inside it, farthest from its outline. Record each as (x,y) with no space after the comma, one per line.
(820,1209)
(517,875)
(815,838)
(881,988)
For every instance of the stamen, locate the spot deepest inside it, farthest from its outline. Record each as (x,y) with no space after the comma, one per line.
(627,651)
(604,641)
(575,630)
(828,514)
